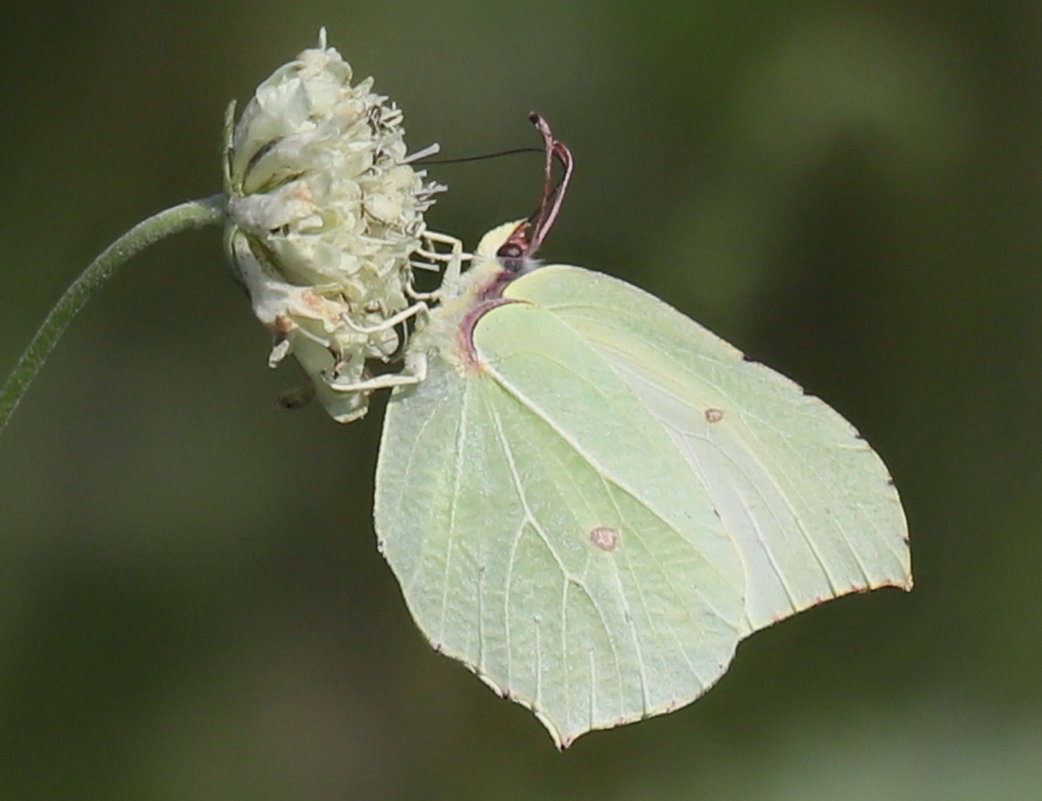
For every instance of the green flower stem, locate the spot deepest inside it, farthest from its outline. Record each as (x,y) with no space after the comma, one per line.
(193,214)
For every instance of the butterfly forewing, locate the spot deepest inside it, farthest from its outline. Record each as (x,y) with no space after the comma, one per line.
(580,568)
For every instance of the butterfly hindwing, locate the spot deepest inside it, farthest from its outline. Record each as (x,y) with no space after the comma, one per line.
(809,503)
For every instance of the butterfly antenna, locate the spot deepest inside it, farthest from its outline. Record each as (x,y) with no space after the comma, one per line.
(529,236)
(553,196)
(483,157)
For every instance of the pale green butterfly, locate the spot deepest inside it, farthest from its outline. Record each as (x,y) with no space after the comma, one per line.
(589,499)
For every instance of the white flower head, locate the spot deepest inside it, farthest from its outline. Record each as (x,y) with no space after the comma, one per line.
(325,211)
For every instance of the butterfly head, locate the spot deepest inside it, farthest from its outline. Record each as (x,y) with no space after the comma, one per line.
(510,248)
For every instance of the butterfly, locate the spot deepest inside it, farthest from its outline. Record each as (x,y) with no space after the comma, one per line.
(590,500)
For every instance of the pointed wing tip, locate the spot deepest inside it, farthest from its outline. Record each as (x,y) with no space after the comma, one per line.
(565,738)
(902,579)
(562,739)
(904,583)
(900,582)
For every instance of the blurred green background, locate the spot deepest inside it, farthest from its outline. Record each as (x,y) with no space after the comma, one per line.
(191,603)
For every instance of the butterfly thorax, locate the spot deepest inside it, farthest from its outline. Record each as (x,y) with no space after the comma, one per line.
(449,332)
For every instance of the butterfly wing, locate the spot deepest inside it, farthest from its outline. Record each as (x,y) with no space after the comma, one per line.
(810,504)
(548,532)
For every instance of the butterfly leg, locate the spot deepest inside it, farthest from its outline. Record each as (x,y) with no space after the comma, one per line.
(452,261)
(390,322)
(415,371)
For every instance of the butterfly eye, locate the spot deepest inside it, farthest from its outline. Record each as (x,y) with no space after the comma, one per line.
(510,251)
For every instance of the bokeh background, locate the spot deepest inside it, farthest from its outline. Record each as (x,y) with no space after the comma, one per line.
(191,603)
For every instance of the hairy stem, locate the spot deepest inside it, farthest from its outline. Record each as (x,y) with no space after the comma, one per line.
(193,214)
